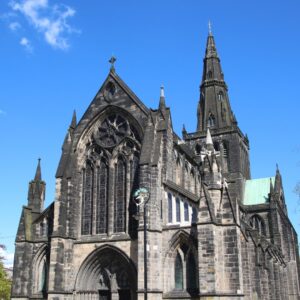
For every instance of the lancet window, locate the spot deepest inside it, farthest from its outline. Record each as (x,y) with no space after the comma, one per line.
(211,121)
(257,223)
(87,202)
(120,196)
(102,198)
(178,273)
(170,208)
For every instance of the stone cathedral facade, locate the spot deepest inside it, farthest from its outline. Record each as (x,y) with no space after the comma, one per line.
(212,231)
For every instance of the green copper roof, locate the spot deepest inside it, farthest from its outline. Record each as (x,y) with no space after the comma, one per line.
(257,190)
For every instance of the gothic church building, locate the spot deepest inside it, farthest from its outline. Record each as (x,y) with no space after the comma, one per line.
(212,232)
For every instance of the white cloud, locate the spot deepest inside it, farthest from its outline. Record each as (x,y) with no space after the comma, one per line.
(8,258)
(26,44)
(14,26)
(2,112)
(49,20)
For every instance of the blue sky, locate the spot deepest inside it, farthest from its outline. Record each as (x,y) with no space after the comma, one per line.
(54,57)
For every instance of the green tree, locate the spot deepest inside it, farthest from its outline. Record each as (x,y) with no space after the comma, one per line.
(5,283)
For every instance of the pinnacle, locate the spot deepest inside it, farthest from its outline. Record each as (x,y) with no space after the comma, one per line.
(74,120)
(208,138)
(38,173)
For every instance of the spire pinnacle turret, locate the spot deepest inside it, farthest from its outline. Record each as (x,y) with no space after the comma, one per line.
(36,191)
(74,120)
(208,138)
(38,172)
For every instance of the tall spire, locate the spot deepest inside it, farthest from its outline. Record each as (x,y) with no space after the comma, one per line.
(38,172)
(214,109)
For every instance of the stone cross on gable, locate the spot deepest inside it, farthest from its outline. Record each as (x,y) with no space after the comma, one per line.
(112,62)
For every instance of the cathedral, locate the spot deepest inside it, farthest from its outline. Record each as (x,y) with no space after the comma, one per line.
(141,213)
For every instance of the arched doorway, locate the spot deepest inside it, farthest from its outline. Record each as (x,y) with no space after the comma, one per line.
(107,274)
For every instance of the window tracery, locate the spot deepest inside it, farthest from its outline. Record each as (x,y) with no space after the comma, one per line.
(112,151)
(87,200)
(185,269)
(102,193)
(120,196)
(257,223)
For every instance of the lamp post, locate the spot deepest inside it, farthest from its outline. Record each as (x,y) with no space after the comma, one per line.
(141,197)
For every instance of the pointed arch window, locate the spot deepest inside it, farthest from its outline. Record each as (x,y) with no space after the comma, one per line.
(186,212)
(220,96)
(170,208)
(102,198)
(178,273)
(178,216)
(88,182)
(257,223)
(120,196)
(211,122)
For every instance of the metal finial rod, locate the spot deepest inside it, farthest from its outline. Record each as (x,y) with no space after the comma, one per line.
(209,28)
(162,91)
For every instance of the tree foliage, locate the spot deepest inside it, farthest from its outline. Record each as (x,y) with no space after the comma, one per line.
(5,282)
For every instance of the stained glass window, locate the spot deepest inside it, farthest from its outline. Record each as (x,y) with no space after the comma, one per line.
(87,200)
(120,196)
(170,208)
(186,212)
(102,185)
(178,217)
(178,273)
(135,173)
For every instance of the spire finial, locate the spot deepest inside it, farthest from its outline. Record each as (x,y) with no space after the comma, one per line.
(209,28)
(112,62)
(74,120)
(162,91)
(38,173)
